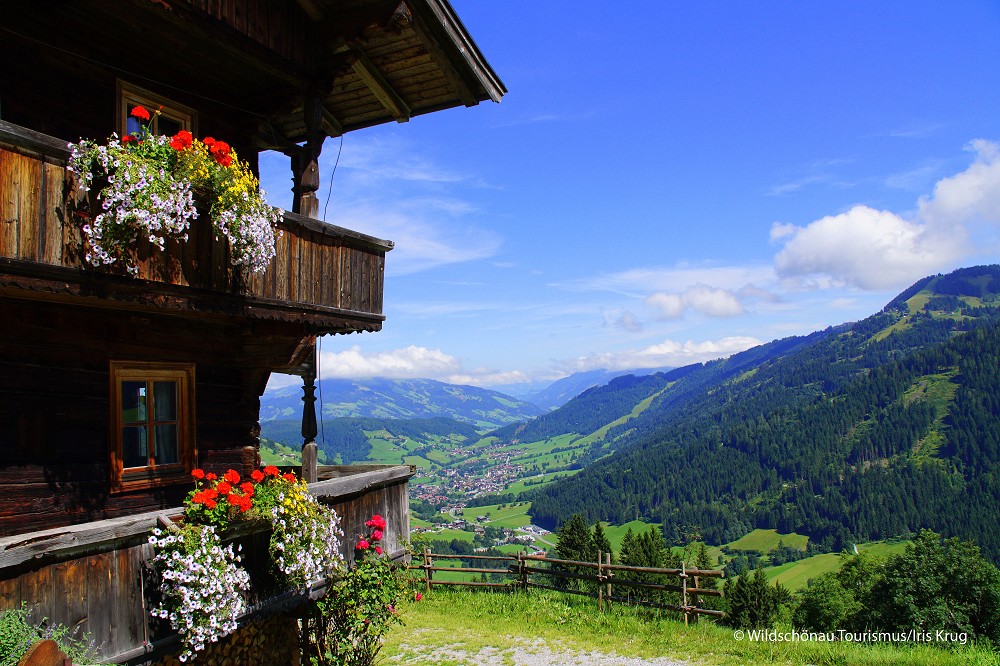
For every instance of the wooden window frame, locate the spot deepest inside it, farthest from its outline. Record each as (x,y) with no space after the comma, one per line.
(152,475)
(130,95)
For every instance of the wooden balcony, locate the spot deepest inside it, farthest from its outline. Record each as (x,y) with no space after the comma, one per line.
(91,577)
(329,277)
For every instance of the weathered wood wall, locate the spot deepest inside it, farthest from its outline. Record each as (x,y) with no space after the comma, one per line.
(90,577)
(54,405)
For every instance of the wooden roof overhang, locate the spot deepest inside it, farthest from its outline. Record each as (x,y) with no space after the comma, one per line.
(293,66)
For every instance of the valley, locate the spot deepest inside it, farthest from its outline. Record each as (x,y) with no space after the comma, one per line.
(858,434)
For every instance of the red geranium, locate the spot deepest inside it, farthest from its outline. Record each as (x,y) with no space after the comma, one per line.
(377,535)
(289,477)
(257,476)
(378,550)
(198,473)
(220,151)
(210,477)
(128,138)
(271,470)
(363,545)
(232,476)
(247,488)
(181,140)
(224,487)
(140,113)
(377,521)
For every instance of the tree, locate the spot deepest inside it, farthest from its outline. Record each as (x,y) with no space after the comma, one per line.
(575,543)
(753,602)
(601,542)
(575,540)
(938,584)
(825,605)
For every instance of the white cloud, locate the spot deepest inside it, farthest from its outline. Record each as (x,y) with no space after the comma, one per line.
(405,363)
(880,249)
(674,280)
(412,362)
(390,189)
(666,353)
(628,322)
(710,301)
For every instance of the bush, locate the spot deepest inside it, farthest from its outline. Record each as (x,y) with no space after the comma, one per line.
(18,632)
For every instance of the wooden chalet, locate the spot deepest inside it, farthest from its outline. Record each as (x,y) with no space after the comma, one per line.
(79,345)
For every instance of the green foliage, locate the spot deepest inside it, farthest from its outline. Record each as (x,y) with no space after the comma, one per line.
(16,635)
(934,585)
(938,585)
(348,625)
(601,541)
(825,605)
(575,541)
(18,632)
(752,602)
(836,436)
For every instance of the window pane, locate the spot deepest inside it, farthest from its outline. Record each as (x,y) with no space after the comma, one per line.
(166,444)
(168,126)
(164,401)
(134,447)
(133,402)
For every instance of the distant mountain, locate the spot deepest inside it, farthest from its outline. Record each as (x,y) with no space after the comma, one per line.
(400,399)
(561,391)
(862,431)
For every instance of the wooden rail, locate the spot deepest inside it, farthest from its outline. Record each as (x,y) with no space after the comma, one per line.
(520,568)
(318,266)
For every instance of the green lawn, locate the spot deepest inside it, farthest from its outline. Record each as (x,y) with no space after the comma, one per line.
(452,627)
(764,541)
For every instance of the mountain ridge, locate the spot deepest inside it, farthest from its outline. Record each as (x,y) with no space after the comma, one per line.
(780,436)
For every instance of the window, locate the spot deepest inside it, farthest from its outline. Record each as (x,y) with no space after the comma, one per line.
(173,117)
(152,424)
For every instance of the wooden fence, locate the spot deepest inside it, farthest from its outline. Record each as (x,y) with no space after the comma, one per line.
(521,569)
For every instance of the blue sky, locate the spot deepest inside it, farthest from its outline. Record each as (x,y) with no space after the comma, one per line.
(671,182)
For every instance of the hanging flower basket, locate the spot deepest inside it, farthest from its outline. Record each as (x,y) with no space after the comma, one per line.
(148,186)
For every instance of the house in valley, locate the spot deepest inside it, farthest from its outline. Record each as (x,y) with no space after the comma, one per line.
(116,382)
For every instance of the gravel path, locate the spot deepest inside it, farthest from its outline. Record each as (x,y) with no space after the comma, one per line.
(524,653)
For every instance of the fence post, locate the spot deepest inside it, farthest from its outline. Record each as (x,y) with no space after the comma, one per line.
(600,587)
(521,572)
(696,599)
(427,567)
(684,593)
(607,560)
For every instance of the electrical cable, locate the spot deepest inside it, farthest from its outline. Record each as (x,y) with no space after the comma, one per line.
(333,173)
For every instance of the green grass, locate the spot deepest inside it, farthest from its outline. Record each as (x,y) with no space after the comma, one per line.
(452,627)
(796,575)
(616,533)
(764,541)
(545,479)
(600,433)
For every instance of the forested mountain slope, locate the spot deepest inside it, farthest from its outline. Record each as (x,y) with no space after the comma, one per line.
(863,431)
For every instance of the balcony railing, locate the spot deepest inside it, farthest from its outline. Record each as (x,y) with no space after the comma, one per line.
(318,267)
(90,577)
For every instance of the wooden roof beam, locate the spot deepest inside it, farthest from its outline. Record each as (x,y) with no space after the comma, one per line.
(330,124)
(449,67)
(384,92)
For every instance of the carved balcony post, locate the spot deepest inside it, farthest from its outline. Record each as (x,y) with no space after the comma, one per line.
(309,449)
